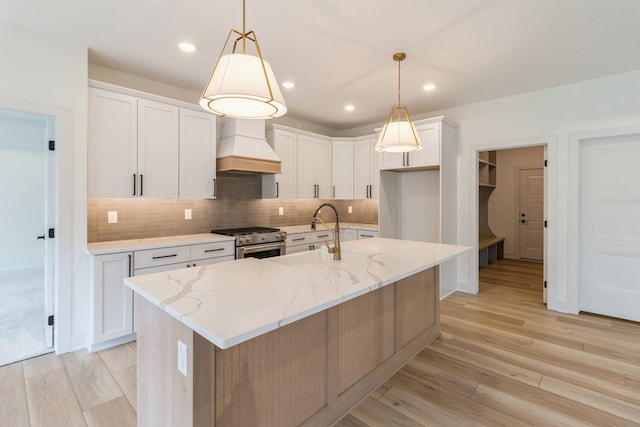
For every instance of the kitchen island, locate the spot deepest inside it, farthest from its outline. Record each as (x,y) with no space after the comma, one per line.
(285,341)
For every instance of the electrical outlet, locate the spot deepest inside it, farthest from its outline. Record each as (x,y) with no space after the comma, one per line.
(182,358)
(187,214)
(350,209)
(281,211)
(112,217)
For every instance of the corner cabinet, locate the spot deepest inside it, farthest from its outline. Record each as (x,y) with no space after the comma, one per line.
(141,147)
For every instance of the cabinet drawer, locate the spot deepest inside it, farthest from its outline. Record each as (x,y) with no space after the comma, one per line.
(212,250)
(162,256)
(310,237)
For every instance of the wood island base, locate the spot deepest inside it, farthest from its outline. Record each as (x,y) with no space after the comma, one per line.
(308,373)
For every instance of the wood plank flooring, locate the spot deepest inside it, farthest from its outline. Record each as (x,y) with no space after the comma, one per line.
(501,359)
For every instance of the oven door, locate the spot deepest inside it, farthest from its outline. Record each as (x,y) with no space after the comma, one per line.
(266,250)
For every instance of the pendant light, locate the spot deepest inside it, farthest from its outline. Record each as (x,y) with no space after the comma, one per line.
(243,85)
(399,134)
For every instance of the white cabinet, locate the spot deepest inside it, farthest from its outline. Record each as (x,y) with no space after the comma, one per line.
(112,301)
(113,319)
(313,167)
(342,169)
(157,149)
(348,234)
(113,144)
(308,241)
(197,154)
(422,205)
(428,157)
(306,165)
(144,148)
(366,169)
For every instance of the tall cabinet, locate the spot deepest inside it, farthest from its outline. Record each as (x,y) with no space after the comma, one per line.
(418,197)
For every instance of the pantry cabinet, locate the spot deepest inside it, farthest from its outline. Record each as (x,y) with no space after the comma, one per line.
(141,147)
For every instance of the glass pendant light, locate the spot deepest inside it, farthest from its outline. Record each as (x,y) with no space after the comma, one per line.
(243,85)
(399,134)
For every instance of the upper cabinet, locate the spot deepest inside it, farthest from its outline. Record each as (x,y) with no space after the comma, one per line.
(143,148)
(197,154)
(427,158)
(306,165)
(366,169)
(342,169)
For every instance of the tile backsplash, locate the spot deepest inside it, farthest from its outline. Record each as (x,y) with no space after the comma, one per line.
(238,205)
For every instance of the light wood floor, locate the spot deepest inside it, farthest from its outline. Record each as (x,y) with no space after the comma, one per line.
(502,359)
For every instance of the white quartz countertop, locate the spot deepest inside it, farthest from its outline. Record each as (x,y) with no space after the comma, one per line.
(232,302)
(115,246)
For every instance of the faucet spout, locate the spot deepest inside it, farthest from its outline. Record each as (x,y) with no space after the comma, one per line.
(335,250)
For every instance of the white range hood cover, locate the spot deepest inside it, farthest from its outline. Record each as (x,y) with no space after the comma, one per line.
(244,148)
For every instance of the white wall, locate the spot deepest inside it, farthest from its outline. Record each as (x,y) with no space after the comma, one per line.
(504,200)
(48,76)
(22,170)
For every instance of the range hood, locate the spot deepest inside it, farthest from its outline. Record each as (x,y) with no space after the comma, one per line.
(243,148)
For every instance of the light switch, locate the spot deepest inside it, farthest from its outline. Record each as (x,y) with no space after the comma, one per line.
(350,209)
(112,217)
(187,214)
(182,358)
(281,211)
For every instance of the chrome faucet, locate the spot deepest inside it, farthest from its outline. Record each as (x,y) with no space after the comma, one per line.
(335,250)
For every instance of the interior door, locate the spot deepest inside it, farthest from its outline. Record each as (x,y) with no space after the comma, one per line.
(609,258)
(531,219)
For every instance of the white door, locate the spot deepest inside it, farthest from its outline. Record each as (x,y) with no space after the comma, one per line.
(531,218)
(609,258)
(26,253)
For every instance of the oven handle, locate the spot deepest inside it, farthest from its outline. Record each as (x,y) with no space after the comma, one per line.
(260,248)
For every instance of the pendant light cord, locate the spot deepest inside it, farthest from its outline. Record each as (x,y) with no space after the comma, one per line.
(398,82)
(244,29)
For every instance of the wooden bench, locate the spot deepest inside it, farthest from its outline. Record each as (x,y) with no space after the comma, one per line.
(490,249)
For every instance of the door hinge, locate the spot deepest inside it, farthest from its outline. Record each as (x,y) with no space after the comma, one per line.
(545,163)
(545,284)
(545,224)
(52,146)
(52,233)
(50,320)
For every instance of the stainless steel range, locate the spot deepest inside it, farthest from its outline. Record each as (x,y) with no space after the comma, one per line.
(257,242)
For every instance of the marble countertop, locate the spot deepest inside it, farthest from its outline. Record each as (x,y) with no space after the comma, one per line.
(232,302)
(115,246)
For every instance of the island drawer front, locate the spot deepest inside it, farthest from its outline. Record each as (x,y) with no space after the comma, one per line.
(213,250)
(161,256)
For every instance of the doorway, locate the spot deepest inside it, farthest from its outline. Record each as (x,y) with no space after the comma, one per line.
(511,203)
(27,181)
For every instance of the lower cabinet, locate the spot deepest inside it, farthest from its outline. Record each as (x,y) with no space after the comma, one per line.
(348,234)
(113,319)
(308,241)
(112,301)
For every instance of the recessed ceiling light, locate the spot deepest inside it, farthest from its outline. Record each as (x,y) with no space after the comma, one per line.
(288,85)
(429,87)
(187,47)
(349,107)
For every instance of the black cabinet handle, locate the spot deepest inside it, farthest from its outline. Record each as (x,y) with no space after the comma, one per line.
(215,187)
(322,235)
(298,239)
(130,265)
(164,256)
(277,190)
(40,237)
(213,250)
(134,184)
(141,185)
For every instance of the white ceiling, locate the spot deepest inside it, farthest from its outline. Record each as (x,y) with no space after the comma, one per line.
(339,52)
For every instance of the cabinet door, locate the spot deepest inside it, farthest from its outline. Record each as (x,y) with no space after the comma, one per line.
(157,149)
(197,154)
(362,169)
(306,167)
(284,144)
(112,300)
(323,168)
(430,153)
(392,161)
(374,193)
(343,170)
(112,155)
